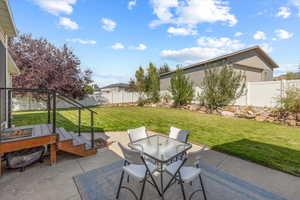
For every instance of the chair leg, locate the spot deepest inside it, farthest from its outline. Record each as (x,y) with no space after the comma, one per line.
(202,186)
(120,184)
(182,187)
(143,187)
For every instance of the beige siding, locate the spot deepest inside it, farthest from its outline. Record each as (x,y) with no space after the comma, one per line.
(250,63)
(2,37)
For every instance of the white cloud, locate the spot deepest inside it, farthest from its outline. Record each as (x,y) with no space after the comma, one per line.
(284,12)
(238,34)
(131,4)
(259,35)
(77,40)
(297,4)
(181,31)
(141,47)
(191,12)
(67,23)
(285,68)
(283,34)
(222,42)
(108,24)
(208,48)
(190,55)
(117,46)
(56,7)
(266,47)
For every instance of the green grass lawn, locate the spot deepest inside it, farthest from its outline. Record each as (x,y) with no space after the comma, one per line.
(269,144)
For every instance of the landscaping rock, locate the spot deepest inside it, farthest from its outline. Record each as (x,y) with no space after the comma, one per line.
(291,122)
(260,118)
(194,107)
(298,116)
(250,112)
(203,109)
(227,114)
(291,116)
(270,119)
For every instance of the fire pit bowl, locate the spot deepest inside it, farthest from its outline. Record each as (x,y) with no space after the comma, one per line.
(23,158)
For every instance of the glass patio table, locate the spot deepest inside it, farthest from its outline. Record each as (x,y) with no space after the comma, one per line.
(161,149)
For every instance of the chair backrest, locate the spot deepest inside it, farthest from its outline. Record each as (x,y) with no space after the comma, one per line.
(178,134)
(193,158)
(131,156)
(137,134)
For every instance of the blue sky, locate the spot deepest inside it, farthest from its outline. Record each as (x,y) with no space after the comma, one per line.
(115,37)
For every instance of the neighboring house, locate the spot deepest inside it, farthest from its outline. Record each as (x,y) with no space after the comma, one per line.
(118,87)
(8,67)
(254,62)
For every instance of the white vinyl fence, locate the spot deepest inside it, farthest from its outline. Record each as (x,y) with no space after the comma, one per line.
(99,98)
(260,94)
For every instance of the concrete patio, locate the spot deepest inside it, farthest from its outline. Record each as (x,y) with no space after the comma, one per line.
(42,181)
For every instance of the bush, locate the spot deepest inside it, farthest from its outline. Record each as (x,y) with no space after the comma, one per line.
(181,88)
(291,101)
(141,102)
(221,85)
(166,98)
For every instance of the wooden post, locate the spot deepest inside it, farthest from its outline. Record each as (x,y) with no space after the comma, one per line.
(53,154)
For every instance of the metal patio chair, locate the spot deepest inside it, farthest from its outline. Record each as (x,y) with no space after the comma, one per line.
(139,169)
(137,134)
(180,135)
(186,171)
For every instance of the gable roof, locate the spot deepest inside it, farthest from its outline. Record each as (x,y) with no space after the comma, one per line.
(6,19)
(256,48)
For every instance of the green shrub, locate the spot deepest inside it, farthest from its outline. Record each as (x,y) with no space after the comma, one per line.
(166,98)
(221,85)
(142,101)
(291,101)
(181,88)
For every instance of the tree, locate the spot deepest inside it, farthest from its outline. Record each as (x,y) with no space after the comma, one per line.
(164,69)
(45,66)
(132,86)
(152,84)
(140,80)
(222,85)
(181,88)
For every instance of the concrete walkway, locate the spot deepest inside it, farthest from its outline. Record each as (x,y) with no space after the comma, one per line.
(42,181)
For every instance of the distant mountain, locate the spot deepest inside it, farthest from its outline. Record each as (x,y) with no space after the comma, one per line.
(288,76)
